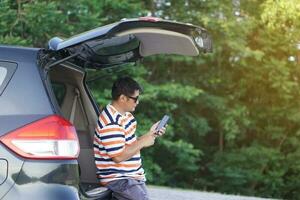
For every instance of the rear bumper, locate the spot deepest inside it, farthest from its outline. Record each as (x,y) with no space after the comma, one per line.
(42,179)
(47,180)
(42,191)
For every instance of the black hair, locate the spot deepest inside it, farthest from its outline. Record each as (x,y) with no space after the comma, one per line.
(126,86)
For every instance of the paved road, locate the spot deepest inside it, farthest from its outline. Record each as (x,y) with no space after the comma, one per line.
(163,193)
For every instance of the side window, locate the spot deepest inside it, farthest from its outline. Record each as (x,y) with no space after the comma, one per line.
(59,90)
(7,70)
(3,72)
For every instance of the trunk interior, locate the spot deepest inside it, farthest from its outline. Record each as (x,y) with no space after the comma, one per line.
(75,104)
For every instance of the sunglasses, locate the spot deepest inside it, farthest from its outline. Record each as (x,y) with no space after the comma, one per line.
(134,98)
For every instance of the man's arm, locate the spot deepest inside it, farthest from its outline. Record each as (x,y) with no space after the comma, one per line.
(144,141)
(130,150)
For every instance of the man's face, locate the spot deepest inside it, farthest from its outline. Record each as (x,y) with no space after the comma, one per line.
(132,101)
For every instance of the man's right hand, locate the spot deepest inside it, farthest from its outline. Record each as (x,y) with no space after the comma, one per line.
(148,139)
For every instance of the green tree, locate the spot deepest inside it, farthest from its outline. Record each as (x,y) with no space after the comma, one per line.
(249,96)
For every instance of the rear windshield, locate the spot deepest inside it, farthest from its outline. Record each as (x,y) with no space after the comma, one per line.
(7,69)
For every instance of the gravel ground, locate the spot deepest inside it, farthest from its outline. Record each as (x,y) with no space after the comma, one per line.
(164,193)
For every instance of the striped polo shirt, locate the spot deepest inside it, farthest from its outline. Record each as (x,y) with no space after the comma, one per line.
(113,132)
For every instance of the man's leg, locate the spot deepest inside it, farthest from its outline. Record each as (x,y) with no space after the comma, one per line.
(128,189)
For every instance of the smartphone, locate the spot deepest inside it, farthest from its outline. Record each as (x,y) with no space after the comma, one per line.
(163,122)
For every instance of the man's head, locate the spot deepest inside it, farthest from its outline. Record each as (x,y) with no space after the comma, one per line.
(125,92)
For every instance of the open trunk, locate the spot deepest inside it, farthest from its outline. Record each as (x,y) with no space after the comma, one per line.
(128,41)
(73,101)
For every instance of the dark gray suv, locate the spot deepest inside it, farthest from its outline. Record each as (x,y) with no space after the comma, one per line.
(47,114)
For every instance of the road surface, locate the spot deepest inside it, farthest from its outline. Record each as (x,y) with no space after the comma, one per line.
(164,193)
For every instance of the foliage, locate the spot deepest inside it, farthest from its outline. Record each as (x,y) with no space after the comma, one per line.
(235,119)
(249,94)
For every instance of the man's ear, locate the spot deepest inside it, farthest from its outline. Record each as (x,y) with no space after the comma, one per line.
(122,98)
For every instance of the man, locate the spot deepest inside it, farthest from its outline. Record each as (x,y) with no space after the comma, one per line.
(116,147)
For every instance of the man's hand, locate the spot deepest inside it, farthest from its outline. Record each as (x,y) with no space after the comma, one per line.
(160,132)
(146,140)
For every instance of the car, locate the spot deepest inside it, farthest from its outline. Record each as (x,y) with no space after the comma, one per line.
(48,114)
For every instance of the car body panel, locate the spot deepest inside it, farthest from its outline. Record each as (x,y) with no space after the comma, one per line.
(47,180)
(24,98)
(13,168)
(3,170)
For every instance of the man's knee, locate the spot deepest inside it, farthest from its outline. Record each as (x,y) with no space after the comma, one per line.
(129,189)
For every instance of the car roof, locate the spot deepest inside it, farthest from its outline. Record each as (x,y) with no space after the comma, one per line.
(18,53)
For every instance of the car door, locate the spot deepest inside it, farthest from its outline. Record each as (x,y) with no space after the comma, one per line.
(129,40)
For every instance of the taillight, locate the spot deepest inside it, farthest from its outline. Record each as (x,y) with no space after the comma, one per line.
(52,137)
(150,19)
